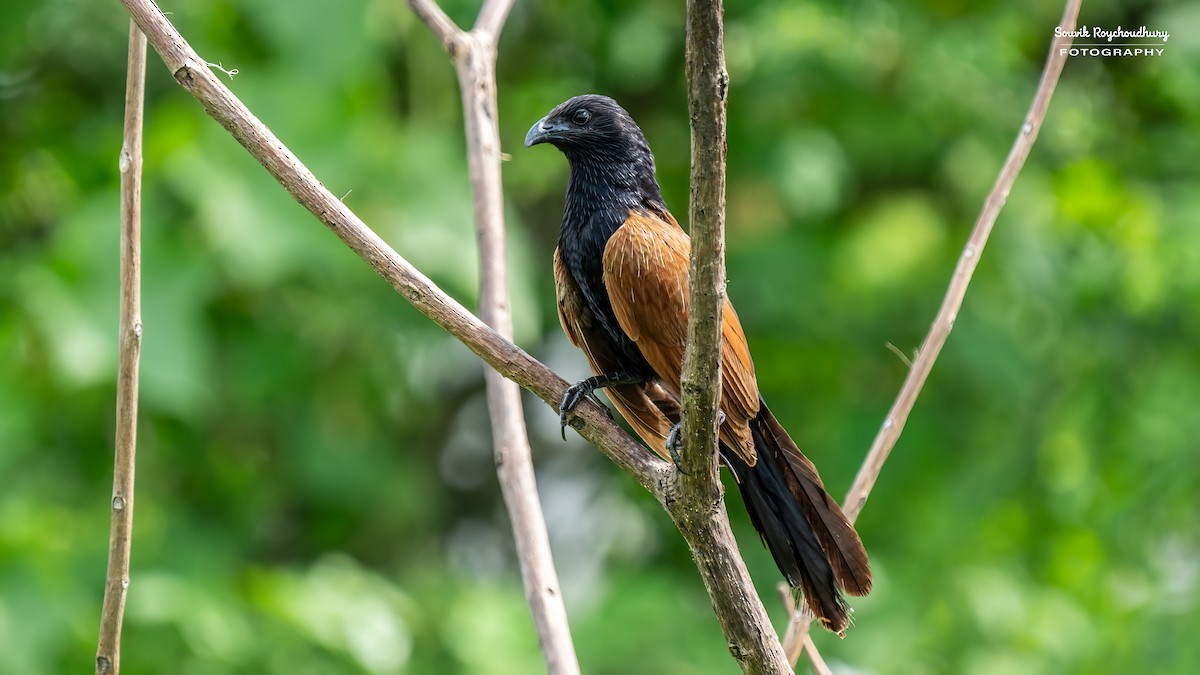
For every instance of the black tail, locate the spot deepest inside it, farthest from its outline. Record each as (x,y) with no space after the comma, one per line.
(813,544)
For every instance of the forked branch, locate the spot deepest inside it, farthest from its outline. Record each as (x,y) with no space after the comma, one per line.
(474,55)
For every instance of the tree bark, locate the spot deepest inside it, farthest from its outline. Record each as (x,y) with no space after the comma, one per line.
(697,505)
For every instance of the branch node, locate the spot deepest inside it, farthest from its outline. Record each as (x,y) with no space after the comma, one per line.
(221,68)
(185,76)
(896,350)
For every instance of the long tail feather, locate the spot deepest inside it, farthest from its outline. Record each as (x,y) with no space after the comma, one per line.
(810,538)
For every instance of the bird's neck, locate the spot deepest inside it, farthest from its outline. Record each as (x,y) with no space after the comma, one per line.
(602,192)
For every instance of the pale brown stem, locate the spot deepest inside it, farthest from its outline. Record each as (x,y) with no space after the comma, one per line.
(116,584)
(943,322)
(474,55)
(793,644)
(491,19)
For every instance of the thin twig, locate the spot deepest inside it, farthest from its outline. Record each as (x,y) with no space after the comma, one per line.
(108,652)
(475,61)
(441,25)
(931,347)
(968,260)
(792,645)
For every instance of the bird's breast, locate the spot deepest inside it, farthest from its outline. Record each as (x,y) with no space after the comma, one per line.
(581,246)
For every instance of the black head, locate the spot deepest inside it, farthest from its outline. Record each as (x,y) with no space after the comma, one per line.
(611,163)
(592,127)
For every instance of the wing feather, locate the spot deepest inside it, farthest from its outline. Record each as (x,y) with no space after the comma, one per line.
(646,275)
(645,406)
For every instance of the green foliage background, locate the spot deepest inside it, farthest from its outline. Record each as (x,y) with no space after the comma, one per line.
(315,487)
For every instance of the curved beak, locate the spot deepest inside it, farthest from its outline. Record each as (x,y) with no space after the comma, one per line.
(543,131)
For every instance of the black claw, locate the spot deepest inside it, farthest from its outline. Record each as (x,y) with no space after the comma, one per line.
(675,444)
(576,393)
(568,402)
(587,389)
(675,441)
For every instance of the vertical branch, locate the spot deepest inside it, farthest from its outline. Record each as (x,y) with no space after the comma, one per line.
(701,381)
(108,652)
(474,56)
(943,322)
(697,506)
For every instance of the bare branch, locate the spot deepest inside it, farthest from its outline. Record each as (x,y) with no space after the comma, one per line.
(968,260)
(793,644)
(491,18)
(189,71)
(108,652)
(701,379)
(475,61)
(742,616)
(433,16)
(931,347)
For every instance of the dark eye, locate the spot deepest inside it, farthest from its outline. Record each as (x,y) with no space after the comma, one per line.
(581,117)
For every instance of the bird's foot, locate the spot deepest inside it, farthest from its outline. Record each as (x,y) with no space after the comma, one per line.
(675,441)
(587,389)
(576,393)
(675,444)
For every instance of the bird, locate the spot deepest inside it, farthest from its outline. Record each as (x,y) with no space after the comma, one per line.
(621,281)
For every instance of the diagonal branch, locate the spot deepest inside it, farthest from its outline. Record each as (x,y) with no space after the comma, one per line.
(943,322)
(498,352)
(474,56)
(108,651)
(889,433)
